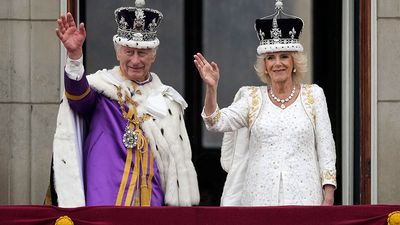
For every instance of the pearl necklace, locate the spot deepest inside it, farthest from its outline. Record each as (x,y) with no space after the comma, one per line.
(283,101)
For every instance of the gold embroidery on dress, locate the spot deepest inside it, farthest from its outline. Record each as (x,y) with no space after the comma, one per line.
(255,105)
(307,91)
(328,175)
(212,120)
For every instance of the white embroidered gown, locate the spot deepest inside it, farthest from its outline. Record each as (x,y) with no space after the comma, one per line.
(289,159)
(282,158)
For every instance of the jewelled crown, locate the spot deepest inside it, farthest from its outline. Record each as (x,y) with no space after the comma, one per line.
(137,26)
(279,31)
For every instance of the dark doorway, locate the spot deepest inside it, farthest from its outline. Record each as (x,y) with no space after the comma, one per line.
(182,35)
(327,17)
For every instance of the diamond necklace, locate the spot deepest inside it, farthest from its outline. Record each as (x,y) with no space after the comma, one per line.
(283,101)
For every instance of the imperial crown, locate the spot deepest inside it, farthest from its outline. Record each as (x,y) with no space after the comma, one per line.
(137,26)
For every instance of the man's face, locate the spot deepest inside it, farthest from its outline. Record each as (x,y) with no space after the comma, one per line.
(135,63)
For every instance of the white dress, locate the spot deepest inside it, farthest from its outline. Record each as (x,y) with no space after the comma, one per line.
(288,159)
(282,158)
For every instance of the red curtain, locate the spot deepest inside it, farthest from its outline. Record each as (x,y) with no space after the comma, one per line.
(285,215)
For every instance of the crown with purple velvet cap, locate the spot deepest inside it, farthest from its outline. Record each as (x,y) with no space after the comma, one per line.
(137,26)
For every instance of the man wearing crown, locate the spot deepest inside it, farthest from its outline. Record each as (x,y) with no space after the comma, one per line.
(121,138)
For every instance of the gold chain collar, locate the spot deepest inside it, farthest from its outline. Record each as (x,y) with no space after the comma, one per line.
(133,136)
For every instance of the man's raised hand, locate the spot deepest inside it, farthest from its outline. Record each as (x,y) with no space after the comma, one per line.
(71,36)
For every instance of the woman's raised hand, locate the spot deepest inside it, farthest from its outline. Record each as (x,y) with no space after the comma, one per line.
(71,36)
(209,72)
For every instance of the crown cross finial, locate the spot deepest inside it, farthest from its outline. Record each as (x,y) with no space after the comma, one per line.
(139,3)
(279,5)
(292,33)
(276,33)
(139,21)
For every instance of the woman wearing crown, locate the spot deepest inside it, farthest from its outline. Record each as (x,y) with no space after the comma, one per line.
(278,147)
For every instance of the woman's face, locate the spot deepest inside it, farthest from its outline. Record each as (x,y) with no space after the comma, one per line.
(279,66)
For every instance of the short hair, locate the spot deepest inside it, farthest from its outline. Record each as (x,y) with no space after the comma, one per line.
(117,47)
(299,63)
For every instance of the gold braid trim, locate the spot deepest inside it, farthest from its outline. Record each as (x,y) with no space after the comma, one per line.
(145,191)
(125,176)
(136,195)
(134,178)
(151,175)
(77,97)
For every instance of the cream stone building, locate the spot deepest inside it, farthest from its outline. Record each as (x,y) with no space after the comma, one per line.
(31,63)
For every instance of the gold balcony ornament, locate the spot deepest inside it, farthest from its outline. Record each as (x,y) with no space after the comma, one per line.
(394,218)
(64,220)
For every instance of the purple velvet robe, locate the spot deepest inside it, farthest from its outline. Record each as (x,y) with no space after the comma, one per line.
(104,154)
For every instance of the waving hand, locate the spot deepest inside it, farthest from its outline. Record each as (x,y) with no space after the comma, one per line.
(71,36)
(209,72)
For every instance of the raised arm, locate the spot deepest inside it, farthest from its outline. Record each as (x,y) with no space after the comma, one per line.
(77,90)
(209,72)
(70,36)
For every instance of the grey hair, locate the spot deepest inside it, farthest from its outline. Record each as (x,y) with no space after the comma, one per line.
(299,63)
(117,48)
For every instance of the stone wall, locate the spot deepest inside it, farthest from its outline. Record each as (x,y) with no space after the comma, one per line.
(388,35)
(29,96)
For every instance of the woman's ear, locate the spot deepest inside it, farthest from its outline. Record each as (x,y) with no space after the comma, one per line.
(117,52)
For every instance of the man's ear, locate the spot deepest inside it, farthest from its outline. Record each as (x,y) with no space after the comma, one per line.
(154,53)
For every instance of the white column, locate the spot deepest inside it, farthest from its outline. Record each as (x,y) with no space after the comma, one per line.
(63,10)
(374,103)
(347,102)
